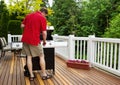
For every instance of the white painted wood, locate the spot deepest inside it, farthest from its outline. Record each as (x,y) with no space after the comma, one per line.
(104,56)
(71,47)
(101,52)
(111,55)
(119,59)
(107,54)
(115,55)
(77,49)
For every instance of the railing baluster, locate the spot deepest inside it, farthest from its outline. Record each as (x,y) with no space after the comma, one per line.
(101,45)
(111,55)
(95,51)
(107,55)
(98,52)
(84,49)
(119,59)
(115,55)
(80,49)
(104,56)
(77,49)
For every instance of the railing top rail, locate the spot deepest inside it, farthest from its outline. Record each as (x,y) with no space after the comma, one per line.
(111,40)
(16,35)
(80,38)
(61,37)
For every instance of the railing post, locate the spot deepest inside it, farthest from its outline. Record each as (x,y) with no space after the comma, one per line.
(71,47)
(54,37)
(119,59)
(9,39)
(91,49)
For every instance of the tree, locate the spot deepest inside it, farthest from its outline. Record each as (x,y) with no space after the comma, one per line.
(114,30)
(81,18)
(19,8)
(65,16)
(95,16)
(14,27)
(4,18)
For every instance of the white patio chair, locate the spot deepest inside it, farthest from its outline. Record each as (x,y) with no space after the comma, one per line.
(4,46)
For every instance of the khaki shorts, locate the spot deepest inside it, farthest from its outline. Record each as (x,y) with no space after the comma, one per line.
(31,50)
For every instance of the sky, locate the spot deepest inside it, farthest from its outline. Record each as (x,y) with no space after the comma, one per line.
(50,1)
(6,1)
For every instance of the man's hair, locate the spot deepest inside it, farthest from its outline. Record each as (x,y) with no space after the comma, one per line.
(44,10)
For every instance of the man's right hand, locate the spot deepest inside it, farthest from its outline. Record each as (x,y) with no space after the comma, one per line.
(44,43)
(44,34)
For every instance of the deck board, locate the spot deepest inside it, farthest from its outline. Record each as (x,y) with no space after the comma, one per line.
(12,73)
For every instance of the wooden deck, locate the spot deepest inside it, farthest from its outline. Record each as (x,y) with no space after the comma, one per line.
(11,73)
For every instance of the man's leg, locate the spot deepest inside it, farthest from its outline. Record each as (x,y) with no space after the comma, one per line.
(42,64)
(38,51)
(43,68)
(29,64)
(26,51)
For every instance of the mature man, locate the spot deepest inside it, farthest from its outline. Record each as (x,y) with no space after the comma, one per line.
(35,23)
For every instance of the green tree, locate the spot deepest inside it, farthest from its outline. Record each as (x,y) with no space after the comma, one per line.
(14,27)
(114,30)
(95,16)
(82,18)
(19,8)
(4,18)
(65,18)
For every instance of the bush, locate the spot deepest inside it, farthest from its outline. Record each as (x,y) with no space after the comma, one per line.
(114,30)
(4,18)
(14,27)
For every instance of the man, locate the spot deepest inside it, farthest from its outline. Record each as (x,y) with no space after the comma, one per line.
(35,23)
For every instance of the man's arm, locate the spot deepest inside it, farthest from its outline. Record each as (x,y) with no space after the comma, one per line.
(44,34)
(24,22)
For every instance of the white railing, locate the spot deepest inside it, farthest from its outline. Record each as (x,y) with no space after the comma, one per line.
(15,41)
(101,52)
(14,38)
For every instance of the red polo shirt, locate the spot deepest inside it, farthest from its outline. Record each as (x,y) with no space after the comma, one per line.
(34,23)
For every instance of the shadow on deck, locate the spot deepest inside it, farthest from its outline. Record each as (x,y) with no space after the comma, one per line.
(12,73)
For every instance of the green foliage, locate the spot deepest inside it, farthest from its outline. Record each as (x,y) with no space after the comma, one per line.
(22,7)
(114,30)
(18,9)
(65,16)
(84,31)
(84,17)
(81,19)
(14,27)
(95,15)
(4,18)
